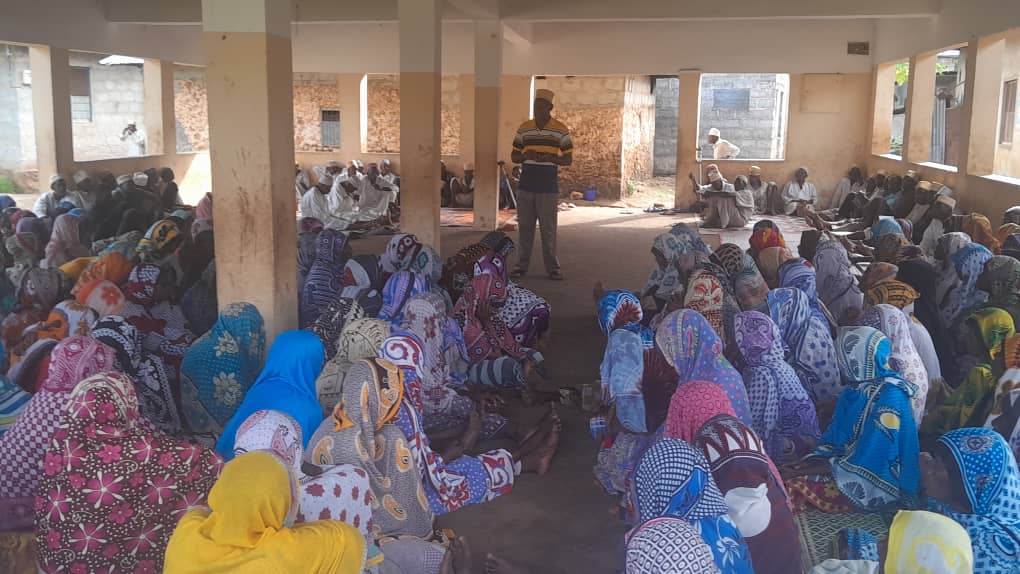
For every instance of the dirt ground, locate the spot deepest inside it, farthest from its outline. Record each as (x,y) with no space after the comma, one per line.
(561,522)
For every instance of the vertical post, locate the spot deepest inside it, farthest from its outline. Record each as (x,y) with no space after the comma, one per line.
(153,81)
(516,95)
(980,106)
(687,136)
(882,108)
(420,82)
(51,110)
(488,84)
(353,114)
(920,105)
(251,143)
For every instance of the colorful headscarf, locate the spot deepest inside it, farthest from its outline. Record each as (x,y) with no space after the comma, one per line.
(689,237)
(782,412)
(487,338)
(620,309)
(622,370)
(693,348)
(949,244)
(286,384)
(904,358)
(113,267)
(990,478)
(887,225)
(668,546)
(360,339)
(799,275)
(399,289)
(749,286)
(24,444)
(339,492)
(891,248)
(872,443)
(112,491)
(332,320)
(220,366)
(754,493)
(103,297)
(836,284)
(807,343)
(363,274)
(428,264)
(705,295)
(980,231)
(920,541)
(358,433)
(424,317)
(401,253)
(666,283)
(65,241)
(766,234)
(42,288)
(673,480)
(162,238)
(325,277)
(969,263)
(694,404)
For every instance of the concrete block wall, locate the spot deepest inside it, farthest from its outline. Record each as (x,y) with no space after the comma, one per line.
(751,129)
(118,99)
(17,136)
(312,94)
(667,110)
(384,115)
(191,109)
(638,131)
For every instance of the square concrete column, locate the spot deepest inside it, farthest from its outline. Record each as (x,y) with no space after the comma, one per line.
(687,136)
(883,88)
(51,110)
(353,90)
(160,125)
(251,150)
(920,106)
(421,76)
(488,84)
(466,95)
(516,95)
(981,105)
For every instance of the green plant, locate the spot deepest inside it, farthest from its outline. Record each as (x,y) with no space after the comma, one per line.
(903,71)
(7,185)
(631,187)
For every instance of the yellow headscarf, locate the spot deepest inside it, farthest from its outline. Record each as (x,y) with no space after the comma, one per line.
(921,542)
(995,326)
(245,528)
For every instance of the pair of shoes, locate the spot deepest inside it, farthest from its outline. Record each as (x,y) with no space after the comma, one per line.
(557,275)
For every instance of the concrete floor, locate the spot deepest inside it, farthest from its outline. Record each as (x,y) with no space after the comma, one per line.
(561,522)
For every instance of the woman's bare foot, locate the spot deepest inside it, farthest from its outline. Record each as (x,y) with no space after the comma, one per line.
(496,565)
(540,459)
(457,559)
(523,432)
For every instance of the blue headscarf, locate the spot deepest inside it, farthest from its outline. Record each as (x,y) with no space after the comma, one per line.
(287,384)
(989,473)
(797,274)
(620,309)
(872,443)
(325,277)
(399,289)
(807,343)
(969,263)
(885,225)
(673,479)
(622,370)
(220,366)
(7,201)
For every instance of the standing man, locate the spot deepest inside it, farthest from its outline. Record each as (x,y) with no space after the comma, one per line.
(721,149)
(541,146)
(134,138)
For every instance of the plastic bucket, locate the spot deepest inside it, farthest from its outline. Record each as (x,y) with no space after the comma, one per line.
(590,194)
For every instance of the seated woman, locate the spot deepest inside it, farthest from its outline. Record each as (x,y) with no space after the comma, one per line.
(450,485)
(668,546)
(753,492)
(363,282)
(24,444)
(401,252)
(835,281)
(904,357)
(799,274)
(524,313)
(65,242)
(220,367)
(1001,280)
(332,492)
(664,284)
(869,452)
(748,285)
(159,247)
(969,263)
(486,336)
(360,339)
(1005,415)
(979,229)
(152,309)
(460,268)
(984,337)
(807,344)
(973,479)
(286,384)
(324,281)
(113,490)
(691,347)
(782,412)
(399,289)
(765,234)
(332,321)
(673,480)
(248,527)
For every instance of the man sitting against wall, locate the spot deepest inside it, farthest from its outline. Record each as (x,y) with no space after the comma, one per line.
(726,207)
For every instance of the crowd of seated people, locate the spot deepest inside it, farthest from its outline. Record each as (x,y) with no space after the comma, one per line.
(868,382)
(144,427)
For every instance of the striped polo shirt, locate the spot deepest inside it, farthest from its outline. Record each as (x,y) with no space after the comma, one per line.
(553,138)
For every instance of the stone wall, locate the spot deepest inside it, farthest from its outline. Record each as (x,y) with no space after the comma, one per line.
(312,94)
(638,131)
(592,108)
(384,115)
(17,132)
(749,109)
(191,109)
(667,110)
(117,98)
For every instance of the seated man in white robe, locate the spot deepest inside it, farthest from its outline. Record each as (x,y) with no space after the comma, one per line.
(387,172)
(374,197)
(800,194)
(723,200)
(302,182)
(316,203)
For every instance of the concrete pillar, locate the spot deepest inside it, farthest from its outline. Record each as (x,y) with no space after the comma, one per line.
(920,105)
(251,143)
(514,109)
(687,136)
(158,83)
(981,106)
(466,96)
(488,80)
(421,74)
(353,100)
(51,110)
(882,107)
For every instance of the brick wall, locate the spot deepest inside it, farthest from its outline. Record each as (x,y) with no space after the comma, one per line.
(667,112)
(638,130)
(191,109)
(749,123)
(384,115)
